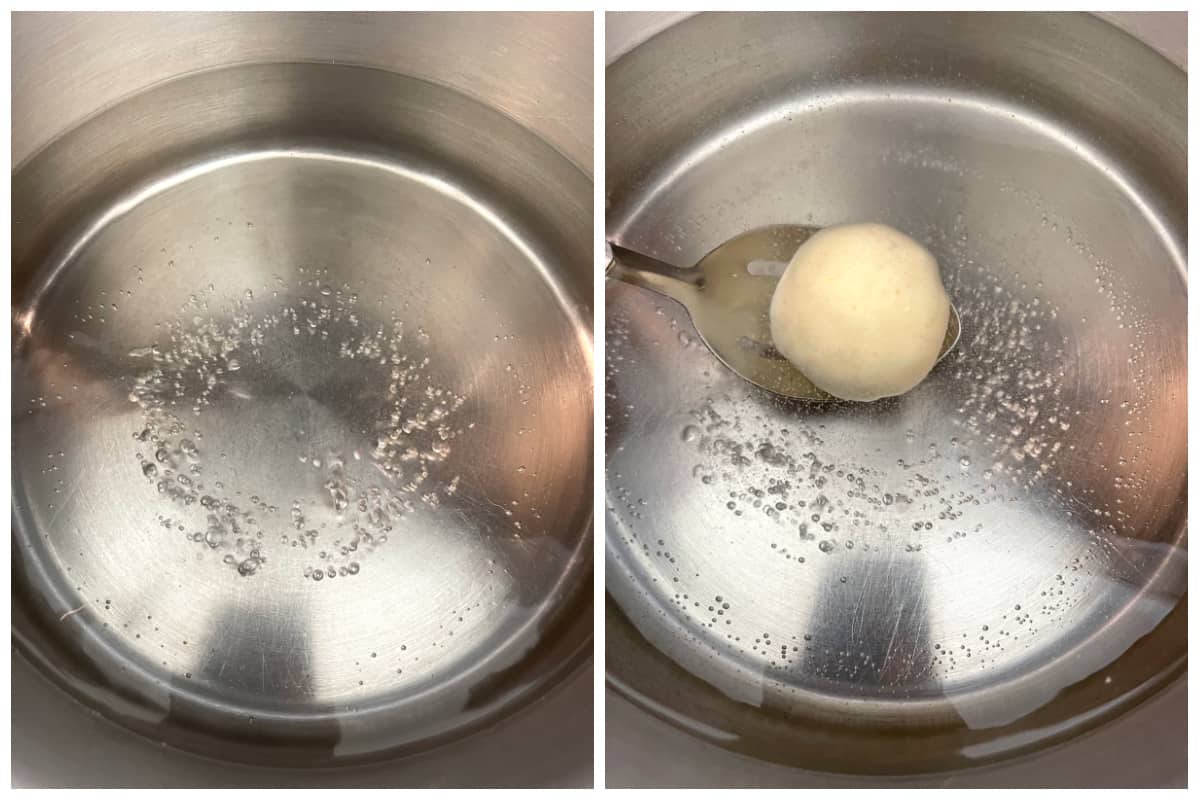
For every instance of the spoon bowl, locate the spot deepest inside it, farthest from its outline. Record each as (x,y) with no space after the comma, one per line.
(728,295)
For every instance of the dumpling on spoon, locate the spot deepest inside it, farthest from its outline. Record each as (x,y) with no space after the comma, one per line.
(861,311)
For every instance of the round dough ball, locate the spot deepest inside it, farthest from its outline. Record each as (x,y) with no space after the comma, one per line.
(861,311)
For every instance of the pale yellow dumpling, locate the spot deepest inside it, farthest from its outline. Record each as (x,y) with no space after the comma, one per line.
(861,311)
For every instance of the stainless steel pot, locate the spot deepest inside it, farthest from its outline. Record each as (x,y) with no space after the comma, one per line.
(302,392)
(991,565)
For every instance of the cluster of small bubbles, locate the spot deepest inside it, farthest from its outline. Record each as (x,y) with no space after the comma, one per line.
(198,362)
(322,571)
(1024,341)
(787,480)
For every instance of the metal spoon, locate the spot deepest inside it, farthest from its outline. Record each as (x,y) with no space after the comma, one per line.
(728,295)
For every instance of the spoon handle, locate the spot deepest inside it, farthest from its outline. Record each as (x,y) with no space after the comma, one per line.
(650,273)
